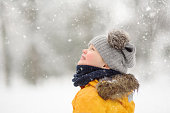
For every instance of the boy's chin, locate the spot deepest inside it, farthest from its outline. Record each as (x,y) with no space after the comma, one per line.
(80,62)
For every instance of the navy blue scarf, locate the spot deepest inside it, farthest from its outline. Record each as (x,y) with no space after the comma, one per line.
(86,73)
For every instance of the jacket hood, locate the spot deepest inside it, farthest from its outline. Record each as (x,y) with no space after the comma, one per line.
(116,87)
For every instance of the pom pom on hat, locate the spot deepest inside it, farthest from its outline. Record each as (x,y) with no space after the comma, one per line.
(118,39)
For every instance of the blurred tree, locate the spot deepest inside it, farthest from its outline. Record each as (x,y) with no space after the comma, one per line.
(32,71)
(5,49)
(32,67)
(150,20)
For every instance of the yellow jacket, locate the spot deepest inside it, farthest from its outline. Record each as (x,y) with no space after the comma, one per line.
(103,97)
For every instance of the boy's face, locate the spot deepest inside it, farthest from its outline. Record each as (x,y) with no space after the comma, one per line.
(92,57)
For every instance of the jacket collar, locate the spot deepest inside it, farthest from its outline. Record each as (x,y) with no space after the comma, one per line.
(115,87)
(92,83)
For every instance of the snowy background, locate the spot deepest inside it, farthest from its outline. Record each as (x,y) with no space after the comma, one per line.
(41,43)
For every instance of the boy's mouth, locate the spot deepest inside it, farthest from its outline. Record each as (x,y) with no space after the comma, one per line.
(82,57)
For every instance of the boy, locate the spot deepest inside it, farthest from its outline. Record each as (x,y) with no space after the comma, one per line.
(102,75)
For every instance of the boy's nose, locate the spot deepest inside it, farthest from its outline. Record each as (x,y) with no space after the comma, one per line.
(84,51)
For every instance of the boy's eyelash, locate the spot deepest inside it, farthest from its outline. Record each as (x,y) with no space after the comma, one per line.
(92,48)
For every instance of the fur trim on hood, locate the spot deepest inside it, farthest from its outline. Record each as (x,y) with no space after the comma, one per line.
(117,86)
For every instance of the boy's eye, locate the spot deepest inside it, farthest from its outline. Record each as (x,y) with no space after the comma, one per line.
(92,49)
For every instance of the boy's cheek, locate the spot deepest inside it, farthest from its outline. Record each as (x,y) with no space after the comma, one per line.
(90,57)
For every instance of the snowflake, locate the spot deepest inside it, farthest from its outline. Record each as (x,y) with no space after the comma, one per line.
(69,40)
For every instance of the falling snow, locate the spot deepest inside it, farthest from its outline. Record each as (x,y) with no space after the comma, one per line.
(36,38)
(69,40)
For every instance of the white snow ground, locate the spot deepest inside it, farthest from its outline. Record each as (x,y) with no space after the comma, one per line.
(55,96)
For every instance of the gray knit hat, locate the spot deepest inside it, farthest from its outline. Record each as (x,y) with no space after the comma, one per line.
(116,50)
